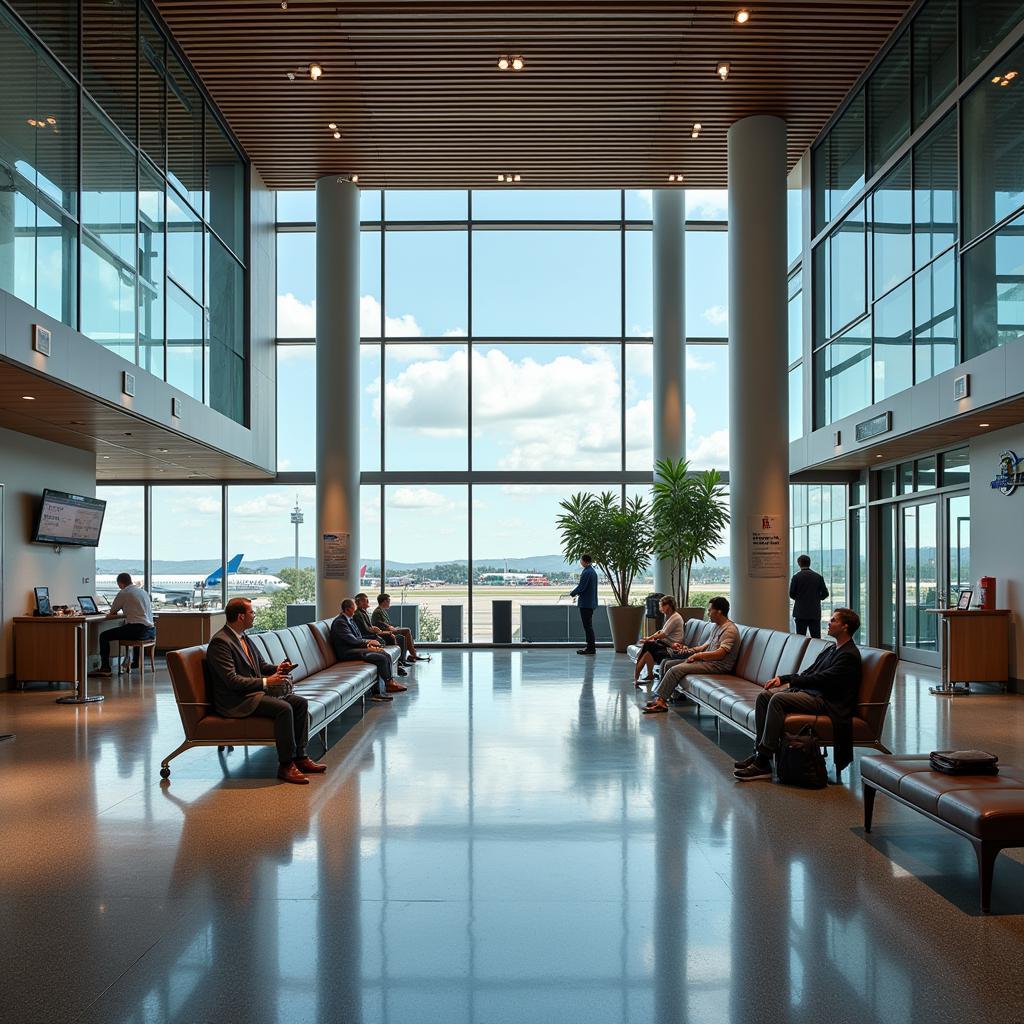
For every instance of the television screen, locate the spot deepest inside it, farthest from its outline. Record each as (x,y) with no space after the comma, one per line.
(69,519)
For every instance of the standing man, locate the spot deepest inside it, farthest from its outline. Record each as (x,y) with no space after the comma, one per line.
(586,600)
(369,631)
(807,590)
(244,684)
(134,602)
(349,645)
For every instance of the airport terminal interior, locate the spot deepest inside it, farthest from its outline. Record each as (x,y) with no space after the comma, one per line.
(303,300)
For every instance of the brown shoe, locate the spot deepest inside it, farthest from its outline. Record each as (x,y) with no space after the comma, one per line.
(308,766)
(289,773)
(394,687)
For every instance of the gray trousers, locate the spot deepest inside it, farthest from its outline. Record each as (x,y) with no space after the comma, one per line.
(771,710)
(672,673)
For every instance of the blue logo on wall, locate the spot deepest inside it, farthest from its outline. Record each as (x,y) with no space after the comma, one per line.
(1011,473)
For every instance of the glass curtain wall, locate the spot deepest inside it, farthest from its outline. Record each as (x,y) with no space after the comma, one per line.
(818,530)
(925,137)
(505,333)
(131,228)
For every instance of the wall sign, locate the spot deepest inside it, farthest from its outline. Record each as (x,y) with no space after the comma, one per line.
(880,424)
(334,555)
(766,555)
(1011,473)
(41,339)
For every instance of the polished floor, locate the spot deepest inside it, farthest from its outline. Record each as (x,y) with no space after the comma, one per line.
(509,842)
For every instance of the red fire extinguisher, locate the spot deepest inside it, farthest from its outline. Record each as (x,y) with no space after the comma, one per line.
(987,593)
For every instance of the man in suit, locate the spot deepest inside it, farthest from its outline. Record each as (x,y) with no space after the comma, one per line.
(369,631)
(244,684)
(350,645)
(807,590)
(829,687)
(586,600)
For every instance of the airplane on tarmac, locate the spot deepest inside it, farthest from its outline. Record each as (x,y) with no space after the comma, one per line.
(181,588)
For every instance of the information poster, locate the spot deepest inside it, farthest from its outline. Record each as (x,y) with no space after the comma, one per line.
(334,551)
(767,554)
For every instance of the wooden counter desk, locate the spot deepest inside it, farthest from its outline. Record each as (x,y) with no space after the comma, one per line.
(55,648)
(186,627)
(975,648)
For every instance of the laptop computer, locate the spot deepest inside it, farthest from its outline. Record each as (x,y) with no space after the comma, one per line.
(88,604)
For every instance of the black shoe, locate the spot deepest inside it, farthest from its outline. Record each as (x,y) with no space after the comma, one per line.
(746,762)
(587,652)
(401,671)
(757,770)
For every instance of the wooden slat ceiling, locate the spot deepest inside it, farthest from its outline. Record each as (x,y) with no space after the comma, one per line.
(127,447)
(607,99)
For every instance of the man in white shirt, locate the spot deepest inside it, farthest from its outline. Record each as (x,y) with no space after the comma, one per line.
(134,603)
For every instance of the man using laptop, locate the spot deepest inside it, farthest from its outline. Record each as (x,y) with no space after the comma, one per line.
(134,604)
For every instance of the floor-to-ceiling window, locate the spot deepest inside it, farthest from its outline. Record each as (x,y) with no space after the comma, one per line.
(505,364)
(818,530)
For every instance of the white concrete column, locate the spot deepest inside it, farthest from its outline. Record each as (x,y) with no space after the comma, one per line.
(337,389)
(758,399)
(669,338)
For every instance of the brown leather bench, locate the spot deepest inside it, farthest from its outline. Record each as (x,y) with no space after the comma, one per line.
(330,686)
(986,809)
(765,653)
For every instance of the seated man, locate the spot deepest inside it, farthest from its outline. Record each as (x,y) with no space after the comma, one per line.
(717,656)
(382,620)
(830,686)
(134,602)
(349,645)
(368,631)
(242,685)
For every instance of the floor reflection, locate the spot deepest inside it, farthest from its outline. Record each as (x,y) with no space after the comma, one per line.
(511,841)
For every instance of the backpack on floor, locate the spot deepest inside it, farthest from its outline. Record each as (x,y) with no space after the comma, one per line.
(800,761)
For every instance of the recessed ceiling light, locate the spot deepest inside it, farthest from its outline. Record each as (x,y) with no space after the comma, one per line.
(518,63)
(337,135)
(163,451)
(723,69)
(29,398)
(104,456)
(518,177)
(503,63)
(742,16)
(355,179)
(315,71)
(332,126)
(284,5)
(878,456)
(677,178)
(984,424)
(32,121)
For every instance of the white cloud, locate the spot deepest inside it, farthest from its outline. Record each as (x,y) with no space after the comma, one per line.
(646,196)
(695,363)
(710,451)
(706,204)
(297,319)
(717,315)
(418,498)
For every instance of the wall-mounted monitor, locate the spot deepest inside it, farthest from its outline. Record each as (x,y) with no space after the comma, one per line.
(69,519)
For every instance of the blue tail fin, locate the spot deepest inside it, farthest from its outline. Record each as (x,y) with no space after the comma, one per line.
(214,576)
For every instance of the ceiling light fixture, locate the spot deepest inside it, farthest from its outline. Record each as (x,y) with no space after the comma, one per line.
(29,398)
(1006,79)
(697,127)
(984,424)
(742,16)
(677,178)
(315,72)
(337,135)
(355,179)
(284,5)
(503,63)
(290,75)
(518,63)
(723,69)
(332,126)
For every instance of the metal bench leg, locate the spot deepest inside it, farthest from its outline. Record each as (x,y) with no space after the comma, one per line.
(869,805)
(165,771)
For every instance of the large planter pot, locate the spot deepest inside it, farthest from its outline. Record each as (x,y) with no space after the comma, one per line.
(625,622)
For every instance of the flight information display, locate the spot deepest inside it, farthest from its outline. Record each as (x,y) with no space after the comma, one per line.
(69,519)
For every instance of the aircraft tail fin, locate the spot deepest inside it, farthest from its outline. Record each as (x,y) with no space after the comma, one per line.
(215,576)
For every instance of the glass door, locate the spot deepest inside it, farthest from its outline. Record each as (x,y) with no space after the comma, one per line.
(919,562)
(958,530)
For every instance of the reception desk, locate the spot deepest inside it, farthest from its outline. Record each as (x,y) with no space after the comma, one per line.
(186,627)
(55,648)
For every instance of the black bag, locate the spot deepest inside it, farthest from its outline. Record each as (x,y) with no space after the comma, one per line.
(800,761)
(964,762)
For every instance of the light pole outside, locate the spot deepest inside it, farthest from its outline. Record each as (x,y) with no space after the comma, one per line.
(297,519)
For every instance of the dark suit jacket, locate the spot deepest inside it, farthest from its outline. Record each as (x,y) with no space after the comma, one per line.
(807,590)
(237,684)
(363,624)
(347,641)
(835,677)
(586,589)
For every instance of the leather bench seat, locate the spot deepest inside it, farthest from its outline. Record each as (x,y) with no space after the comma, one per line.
(329,686)
(986,809)
(765,653)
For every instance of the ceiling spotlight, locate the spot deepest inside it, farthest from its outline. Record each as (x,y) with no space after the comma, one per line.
(677,178)
(315,71)
(162,451)
(695,134)
(723,70)
(984,424)
(32,121)
(29,398)
(1006,79)
(518,63)
(501,177)
(284,5)
(355,179)
(518,177)
(290,75)
(332,126)
(104,456)
(337,135)
(503,63)
(53,120)
(742,16)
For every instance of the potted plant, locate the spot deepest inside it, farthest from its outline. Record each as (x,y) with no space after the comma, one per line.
(690,515)
(618,537)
